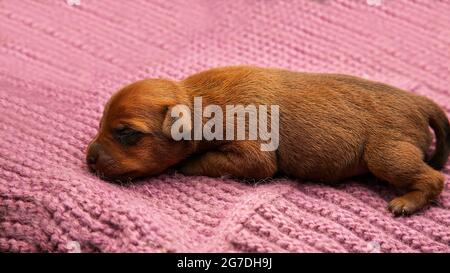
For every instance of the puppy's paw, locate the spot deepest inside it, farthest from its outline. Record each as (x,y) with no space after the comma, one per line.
(403,206)
(191,168)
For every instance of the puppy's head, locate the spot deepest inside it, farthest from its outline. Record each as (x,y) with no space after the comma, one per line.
(134,134)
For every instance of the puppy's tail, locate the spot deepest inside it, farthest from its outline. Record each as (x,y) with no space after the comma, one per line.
(439,123)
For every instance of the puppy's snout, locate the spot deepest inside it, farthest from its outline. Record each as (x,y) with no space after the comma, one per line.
(92,155)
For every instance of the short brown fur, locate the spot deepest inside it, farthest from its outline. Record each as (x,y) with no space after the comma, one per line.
(331,127)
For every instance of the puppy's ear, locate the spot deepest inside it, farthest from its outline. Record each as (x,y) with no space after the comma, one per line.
(177,122)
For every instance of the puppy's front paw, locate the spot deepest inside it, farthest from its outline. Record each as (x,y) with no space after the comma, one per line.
(191,168)
(402,206)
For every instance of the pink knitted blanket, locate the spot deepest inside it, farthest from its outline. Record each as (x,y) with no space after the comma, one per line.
(60,60)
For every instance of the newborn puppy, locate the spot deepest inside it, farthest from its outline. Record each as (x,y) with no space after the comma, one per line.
(330,127)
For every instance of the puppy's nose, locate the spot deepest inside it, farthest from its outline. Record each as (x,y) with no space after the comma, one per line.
(92,155)
(91,159)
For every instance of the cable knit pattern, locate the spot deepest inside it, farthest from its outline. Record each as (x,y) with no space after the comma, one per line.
(60,62)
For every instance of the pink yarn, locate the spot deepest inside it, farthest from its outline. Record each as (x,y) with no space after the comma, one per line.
(61,62)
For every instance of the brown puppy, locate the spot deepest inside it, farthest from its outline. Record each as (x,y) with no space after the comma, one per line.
(330,127)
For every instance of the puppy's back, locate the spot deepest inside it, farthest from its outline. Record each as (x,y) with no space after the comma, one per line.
(326,119)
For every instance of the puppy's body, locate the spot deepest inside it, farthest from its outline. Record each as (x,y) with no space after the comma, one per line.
(331,127)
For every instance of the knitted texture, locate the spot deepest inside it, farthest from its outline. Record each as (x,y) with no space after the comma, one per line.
(61,60)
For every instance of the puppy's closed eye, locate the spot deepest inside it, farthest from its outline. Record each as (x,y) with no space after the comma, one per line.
(127,136)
